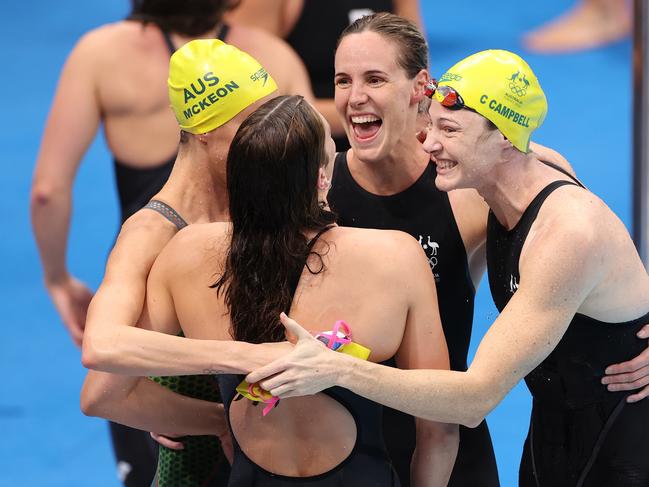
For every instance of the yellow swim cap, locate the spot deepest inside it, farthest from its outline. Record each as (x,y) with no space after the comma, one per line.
(210,82)
(501,87)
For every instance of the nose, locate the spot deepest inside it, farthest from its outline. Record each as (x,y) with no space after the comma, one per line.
(357,95)
(431,143)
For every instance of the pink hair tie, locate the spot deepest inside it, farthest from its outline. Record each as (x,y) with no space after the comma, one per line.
(334,339)
(261,395)
(338,339)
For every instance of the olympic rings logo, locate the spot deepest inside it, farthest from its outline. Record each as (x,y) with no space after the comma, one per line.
(518,90)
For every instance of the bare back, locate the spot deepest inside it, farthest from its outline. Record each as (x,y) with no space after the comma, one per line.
(128,64)
(377,281)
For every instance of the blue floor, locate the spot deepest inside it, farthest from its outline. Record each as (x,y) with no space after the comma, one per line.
(46,440)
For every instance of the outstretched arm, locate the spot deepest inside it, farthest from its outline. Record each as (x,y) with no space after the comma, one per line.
(71,126)
(527,330)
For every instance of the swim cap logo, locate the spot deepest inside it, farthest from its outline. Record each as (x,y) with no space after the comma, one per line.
(261,74)
(518,84)
(450,77)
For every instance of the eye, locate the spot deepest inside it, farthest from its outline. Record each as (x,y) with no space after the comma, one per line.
(342,82)
(449,130)
(375,80)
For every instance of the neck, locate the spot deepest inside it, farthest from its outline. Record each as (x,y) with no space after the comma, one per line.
(392,174)
(194,191)
(512,185)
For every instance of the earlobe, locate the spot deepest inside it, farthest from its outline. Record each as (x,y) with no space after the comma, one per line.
(324,183)
(507,147)
(419,86)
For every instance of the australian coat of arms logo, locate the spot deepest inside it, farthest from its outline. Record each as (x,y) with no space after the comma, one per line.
(518,84)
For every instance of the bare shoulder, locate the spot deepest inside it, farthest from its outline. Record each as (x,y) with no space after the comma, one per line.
(277,56)
(139,242)
(578,221)
(392,248)
(147,221)
(196,246)
(115,42)
(256,40)
(106,36)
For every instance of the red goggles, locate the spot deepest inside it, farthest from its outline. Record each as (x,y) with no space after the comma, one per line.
(446,95)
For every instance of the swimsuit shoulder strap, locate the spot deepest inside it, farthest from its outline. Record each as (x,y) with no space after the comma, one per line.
(168,212)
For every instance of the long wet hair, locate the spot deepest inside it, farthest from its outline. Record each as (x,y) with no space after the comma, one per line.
(187,17)
(413,49)
(272,176)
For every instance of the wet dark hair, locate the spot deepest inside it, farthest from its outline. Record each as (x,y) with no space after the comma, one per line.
(413,49)
(187,17)
(272,175)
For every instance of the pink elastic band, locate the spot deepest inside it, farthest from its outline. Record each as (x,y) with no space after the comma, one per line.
(269,402)
(332,336)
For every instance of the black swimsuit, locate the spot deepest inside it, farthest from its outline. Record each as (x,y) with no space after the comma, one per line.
(580,433)
(367,465)
(424,212)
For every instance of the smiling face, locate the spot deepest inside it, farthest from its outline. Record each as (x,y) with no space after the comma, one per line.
(374,97)
(463,147)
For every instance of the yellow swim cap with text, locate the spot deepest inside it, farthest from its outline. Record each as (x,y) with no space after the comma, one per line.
(501,87)
(210,82)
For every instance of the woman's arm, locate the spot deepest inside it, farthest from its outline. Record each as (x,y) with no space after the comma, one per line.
(150,407)
(113,340)
(527,330)
(71,126)
(113,343)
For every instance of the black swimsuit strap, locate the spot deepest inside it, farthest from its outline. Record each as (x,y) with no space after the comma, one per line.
(168,212)
(170,44)
(221,33)
(295,278)
(563,171)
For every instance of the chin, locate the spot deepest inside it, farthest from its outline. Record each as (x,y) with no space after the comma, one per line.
(372,153)
(446,184)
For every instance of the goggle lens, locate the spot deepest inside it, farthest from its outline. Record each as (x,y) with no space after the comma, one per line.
(446,95)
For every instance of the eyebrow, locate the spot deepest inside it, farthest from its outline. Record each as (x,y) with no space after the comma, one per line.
(366,73)
(444,119)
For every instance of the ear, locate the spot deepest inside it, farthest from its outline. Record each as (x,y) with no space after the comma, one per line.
(507,149)
(324,183)
(202,138)
(419,85)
